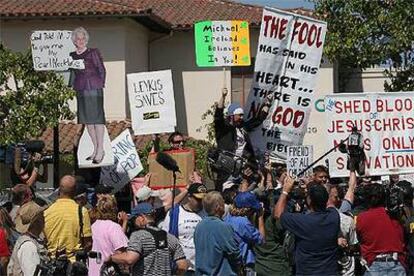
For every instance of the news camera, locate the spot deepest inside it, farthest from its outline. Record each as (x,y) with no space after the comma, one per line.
(355,151)
(31,147)
(229,163)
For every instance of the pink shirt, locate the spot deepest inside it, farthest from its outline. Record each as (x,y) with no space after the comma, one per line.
(107,236)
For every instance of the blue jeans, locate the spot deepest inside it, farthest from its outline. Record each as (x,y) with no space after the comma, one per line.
(390,268)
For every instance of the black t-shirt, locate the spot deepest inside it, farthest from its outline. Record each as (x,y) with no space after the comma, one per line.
(316,236)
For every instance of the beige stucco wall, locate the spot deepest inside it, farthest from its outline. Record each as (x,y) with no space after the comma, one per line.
(195,88)
(122,43)
(370,80)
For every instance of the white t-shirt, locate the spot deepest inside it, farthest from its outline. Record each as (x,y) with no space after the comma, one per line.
(28,258)
(348,232)
(240,141)
(187,222)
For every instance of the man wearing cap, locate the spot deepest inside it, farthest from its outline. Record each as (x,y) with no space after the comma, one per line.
(29,249)
(232,132)
(22,198)
(182,220)
(245,208)
(150,250)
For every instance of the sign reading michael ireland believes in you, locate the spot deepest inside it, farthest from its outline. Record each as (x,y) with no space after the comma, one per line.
(50,51)
(222,43)
(287,64)
(151,98)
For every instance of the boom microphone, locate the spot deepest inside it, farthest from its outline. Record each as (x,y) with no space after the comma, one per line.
(167,162)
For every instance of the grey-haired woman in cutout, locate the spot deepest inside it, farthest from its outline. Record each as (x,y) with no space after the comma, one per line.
(89,83)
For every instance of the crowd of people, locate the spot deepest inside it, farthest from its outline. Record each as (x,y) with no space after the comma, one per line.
(258,221)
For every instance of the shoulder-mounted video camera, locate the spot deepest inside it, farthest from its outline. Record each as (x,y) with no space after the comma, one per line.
(355,151)
(227,162)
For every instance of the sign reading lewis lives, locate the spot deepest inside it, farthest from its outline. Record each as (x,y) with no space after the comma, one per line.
(386,121)
(151,98)
(222,43)
(287,65)
(50,51)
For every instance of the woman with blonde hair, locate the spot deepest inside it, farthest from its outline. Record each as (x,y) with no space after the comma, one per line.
(107,235)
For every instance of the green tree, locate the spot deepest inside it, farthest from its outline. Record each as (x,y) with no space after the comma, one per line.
(30,101)
(364,33)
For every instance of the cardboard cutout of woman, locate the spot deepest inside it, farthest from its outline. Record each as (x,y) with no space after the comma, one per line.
(89,84)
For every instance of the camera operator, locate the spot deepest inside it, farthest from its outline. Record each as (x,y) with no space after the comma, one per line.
(316,233)
(381,236)
(231,133)
(28,171)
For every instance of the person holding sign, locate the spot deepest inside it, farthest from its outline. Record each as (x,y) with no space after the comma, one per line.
(232,132)
(89,84)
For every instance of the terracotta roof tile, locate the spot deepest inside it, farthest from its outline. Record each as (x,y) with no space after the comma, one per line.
(178,14)
(31,8)
(70,132)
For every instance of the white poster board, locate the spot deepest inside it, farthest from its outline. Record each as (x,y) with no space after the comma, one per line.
(386,121)
(50,51)
(298,159)
(127,164)
(151,98)
(287,64)
(85,149)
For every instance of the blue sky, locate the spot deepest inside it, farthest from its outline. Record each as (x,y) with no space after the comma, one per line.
(286,4)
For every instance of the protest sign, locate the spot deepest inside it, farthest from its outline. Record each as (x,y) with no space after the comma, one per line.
(126,165)
(222,43)
(386,121)
(298,159)
(287,64)
(86,148)
(50,51)
(151,98)
(162,178)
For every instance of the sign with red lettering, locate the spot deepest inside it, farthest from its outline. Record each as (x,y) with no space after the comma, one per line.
(288,57)
(386,121)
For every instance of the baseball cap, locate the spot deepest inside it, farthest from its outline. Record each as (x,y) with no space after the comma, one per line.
(228,184)
(234,109)
(145,192)
(143,208)
(247,200)
(197,190)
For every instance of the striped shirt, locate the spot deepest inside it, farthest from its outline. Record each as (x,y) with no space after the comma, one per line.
(153,261)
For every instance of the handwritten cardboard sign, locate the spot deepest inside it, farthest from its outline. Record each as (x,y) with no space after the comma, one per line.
(151,98)
(50,51)
(162,178)
(222,43)
(386,122)
(298,159)
(287,64)
(127,164)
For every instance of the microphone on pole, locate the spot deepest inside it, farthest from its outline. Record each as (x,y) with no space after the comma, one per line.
(167,162)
